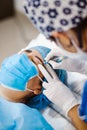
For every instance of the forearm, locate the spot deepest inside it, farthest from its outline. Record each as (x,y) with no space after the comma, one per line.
(77,122)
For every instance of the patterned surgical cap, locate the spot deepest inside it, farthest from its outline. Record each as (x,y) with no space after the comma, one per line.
(58,15)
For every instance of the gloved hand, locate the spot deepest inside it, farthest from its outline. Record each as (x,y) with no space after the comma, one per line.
(69,64)
(56,91)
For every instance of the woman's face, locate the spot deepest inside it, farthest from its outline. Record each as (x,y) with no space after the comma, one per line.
(65,40)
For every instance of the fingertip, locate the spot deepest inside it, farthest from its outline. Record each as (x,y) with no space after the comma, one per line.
(39,65)
(54,64)
(51,62)
(46,58)
(45,84)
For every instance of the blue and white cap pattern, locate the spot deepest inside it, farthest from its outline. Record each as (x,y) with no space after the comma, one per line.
(58,15)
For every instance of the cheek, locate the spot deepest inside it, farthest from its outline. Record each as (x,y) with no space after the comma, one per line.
(34,84)
(30,84)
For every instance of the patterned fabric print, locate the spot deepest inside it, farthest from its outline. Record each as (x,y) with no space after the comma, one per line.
(58,15)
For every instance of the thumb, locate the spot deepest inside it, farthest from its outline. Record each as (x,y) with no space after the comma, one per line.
(55,52)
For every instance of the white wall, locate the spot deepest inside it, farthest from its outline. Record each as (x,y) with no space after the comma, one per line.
(15,32)
(23,22)
(19,5)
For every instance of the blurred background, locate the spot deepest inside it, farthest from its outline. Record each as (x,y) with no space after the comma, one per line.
(16,31)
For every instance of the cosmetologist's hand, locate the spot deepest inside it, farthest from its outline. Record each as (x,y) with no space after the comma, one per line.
(56,91)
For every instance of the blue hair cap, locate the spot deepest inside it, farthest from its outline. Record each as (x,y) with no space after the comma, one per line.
(16,71)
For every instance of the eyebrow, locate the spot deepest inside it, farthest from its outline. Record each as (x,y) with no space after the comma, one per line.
(39,58)
(29,51)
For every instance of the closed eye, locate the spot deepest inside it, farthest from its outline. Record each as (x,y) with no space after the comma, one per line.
(39,59)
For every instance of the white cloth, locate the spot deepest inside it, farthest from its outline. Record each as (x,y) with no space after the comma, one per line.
(41,41)
(76,82)
(57,121)
(55,15)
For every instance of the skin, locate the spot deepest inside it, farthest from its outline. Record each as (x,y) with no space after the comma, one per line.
(34,84)
(64,39)
(76,121)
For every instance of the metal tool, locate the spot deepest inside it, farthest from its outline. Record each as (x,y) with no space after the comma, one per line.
(56,59)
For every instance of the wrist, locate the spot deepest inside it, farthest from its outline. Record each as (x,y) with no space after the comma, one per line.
(71,112)
(76,121)
(68,108)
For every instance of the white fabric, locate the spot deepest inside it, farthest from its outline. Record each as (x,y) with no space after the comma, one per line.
(76,82)
(41,41)
(55,15)
(57,121)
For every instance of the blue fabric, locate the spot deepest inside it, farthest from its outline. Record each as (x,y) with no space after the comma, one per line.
(40,101)
(83,106)
(42,50)
(16,71)
(17,116)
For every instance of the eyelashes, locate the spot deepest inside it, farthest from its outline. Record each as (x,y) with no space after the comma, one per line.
(39,59)
(30,51)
